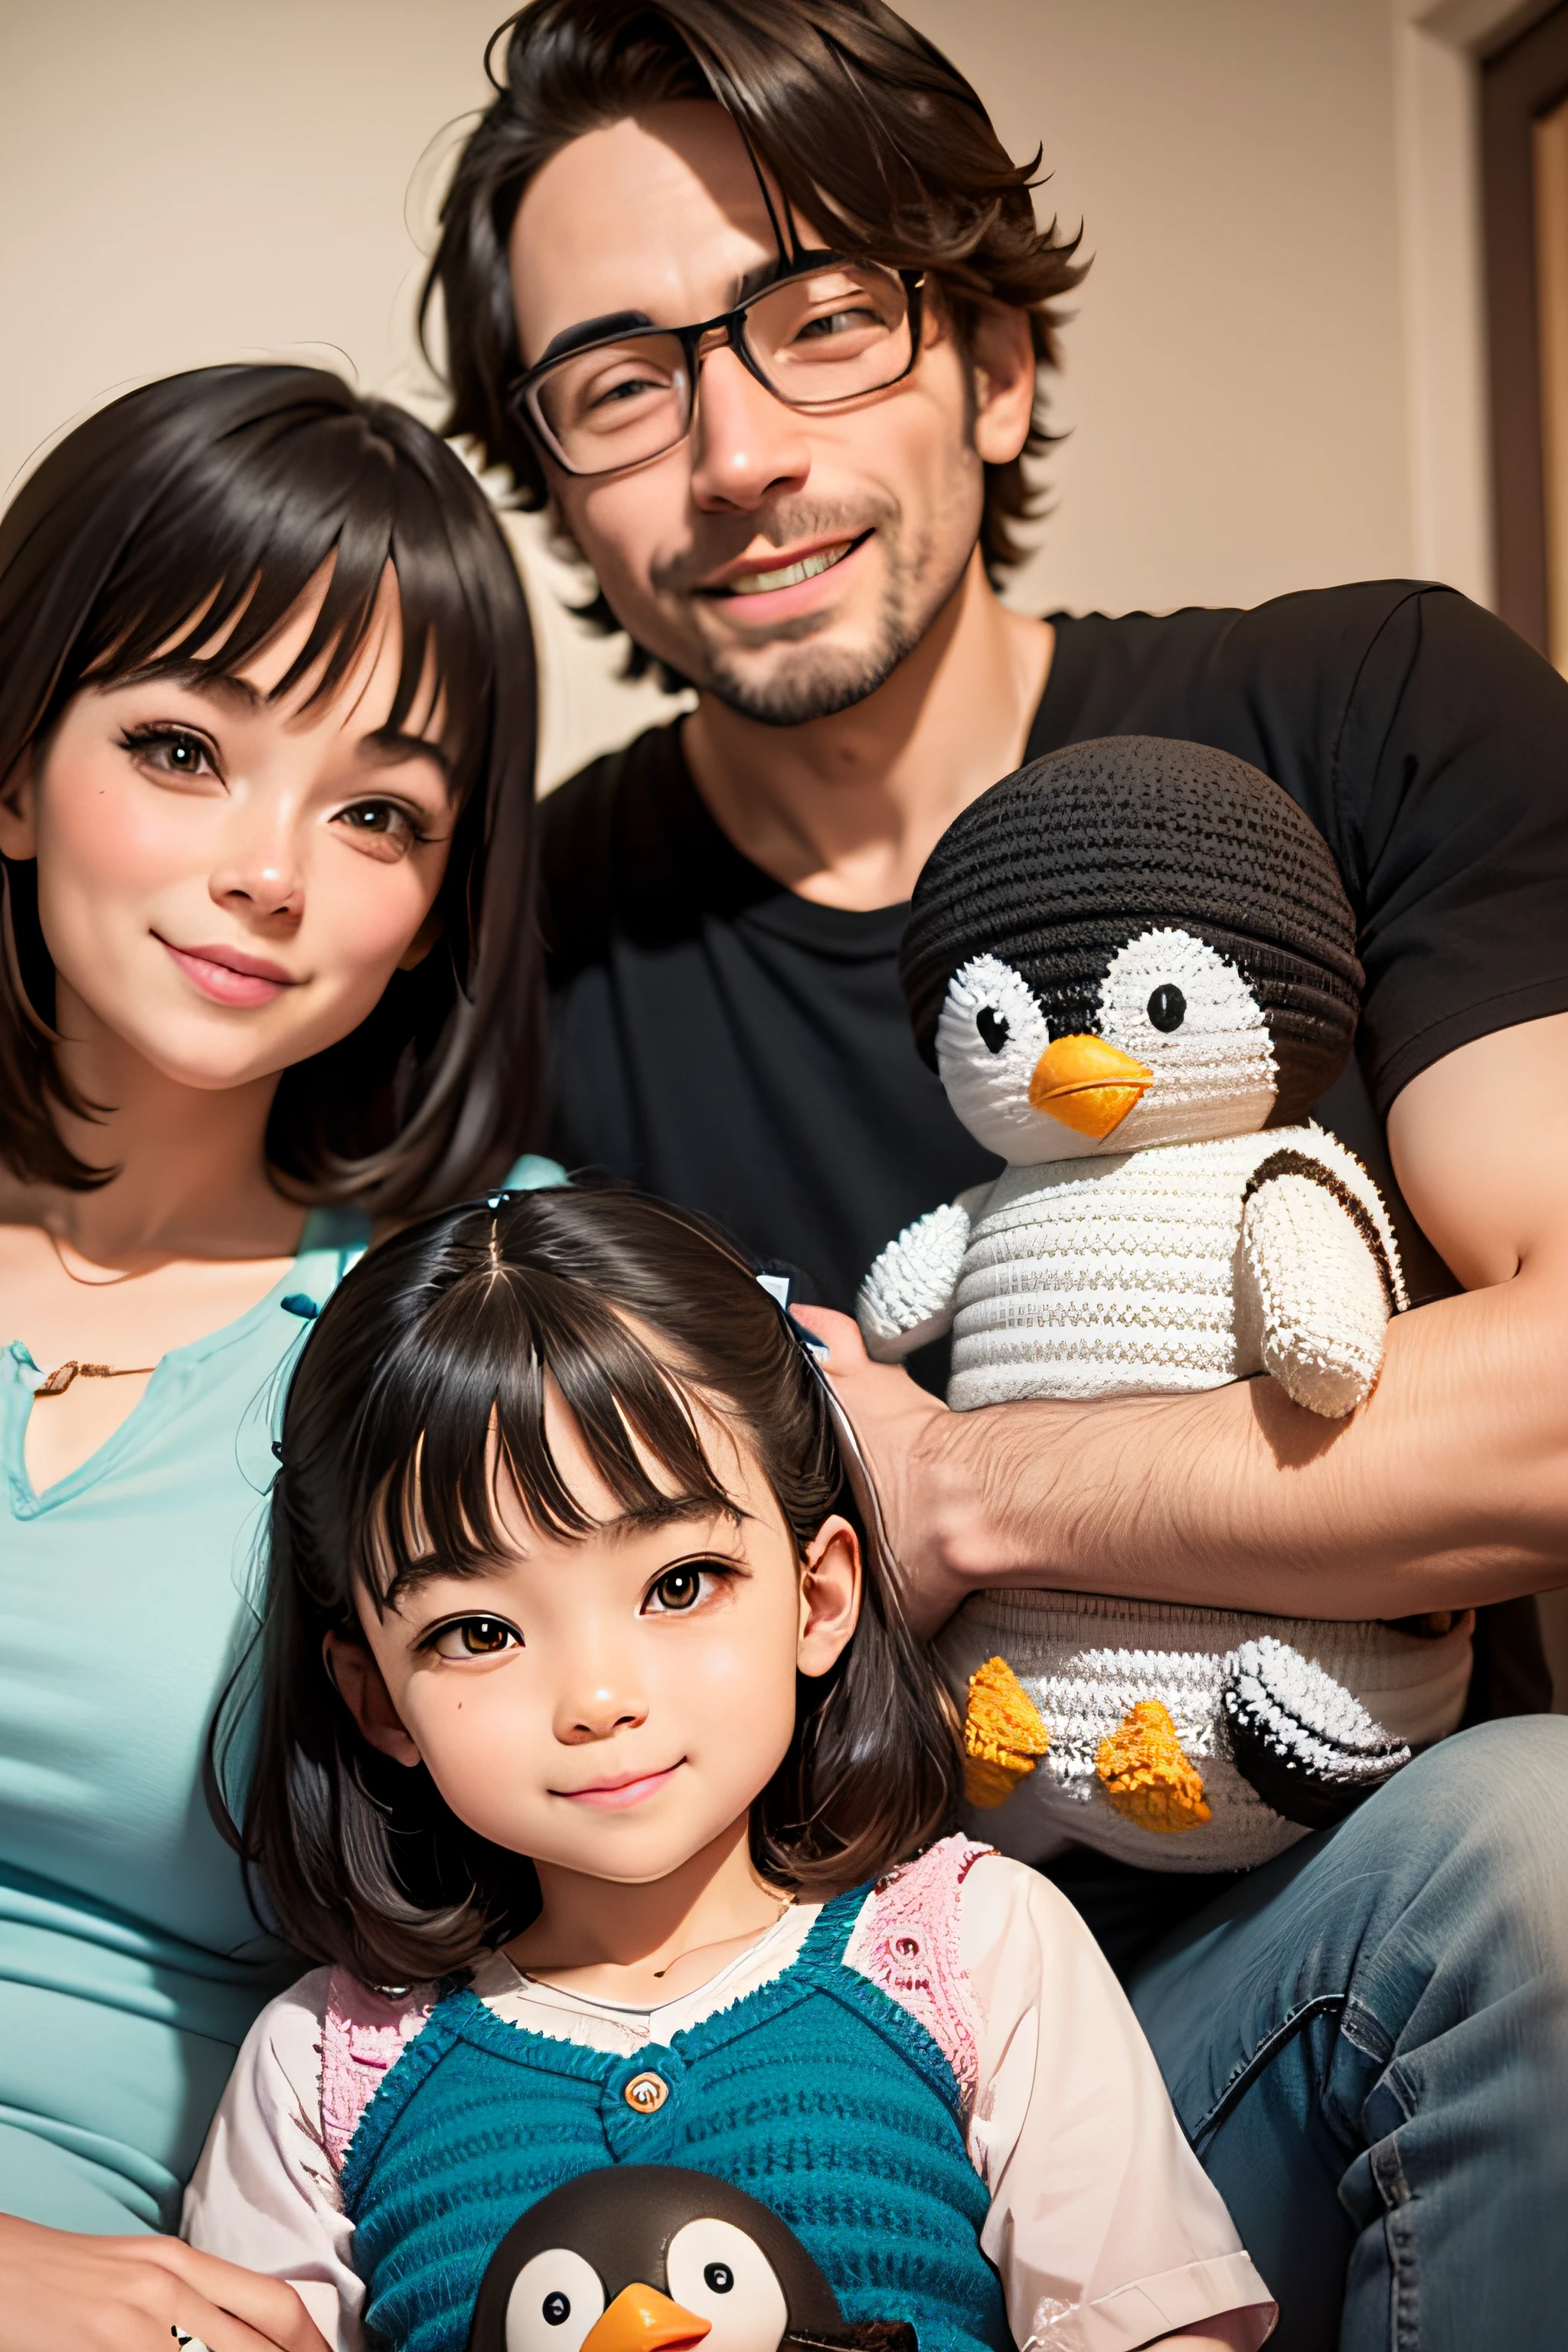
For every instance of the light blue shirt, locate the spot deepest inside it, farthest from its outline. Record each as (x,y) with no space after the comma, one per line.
(131,1963)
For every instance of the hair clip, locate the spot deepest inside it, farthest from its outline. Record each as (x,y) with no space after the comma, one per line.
(300,1302)
(278,1449)
(494,1200)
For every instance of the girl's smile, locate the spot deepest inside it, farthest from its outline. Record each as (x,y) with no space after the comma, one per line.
(629,1789)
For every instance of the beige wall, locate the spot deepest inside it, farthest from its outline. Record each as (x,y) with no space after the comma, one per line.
(186,180)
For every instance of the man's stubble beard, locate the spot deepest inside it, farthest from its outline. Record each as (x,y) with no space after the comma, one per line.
(827,678)
(822,681)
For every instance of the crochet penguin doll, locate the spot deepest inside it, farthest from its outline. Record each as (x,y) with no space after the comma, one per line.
(654,2258)
(1132,965)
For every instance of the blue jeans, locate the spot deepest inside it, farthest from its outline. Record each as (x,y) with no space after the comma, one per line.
(1367,2043)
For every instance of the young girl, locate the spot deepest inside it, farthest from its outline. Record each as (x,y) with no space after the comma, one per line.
(266,816)
(634,1780)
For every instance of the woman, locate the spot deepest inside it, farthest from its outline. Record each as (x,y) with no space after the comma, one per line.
(266,716)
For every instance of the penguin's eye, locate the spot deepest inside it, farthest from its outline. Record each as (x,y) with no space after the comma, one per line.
(994,1027)
(554,2300)
(720,2273)
(1167,1007)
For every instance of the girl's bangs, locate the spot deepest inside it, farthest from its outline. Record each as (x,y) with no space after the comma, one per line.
(473,1383)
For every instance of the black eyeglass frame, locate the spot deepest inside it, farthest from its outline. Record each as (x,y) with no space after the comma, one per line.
(522,394)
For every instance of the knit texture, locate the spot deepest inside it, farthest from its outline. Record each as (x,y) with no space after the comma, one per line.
(1119,1277)
(1326,1710)
(1054,868)
(820,2094)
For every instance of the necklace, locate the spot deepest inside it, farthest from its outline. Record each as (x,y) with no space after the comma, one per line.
(786,1903)
(60,1378)
(73,1369)
(109,1282)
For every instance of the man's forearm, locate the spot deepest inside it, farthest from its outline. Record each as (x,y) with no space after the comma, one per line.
(1449,1486)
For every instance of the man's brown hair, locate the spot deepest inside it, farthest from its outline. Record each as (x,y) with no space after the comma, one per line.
(866,129)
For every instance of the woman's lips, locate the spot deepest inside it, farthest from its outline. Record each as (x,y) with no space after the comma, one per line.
(616,1795)
(225,976)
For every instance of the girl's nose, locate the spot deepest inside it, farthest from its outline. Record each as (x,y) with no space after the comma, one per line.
(598,1713)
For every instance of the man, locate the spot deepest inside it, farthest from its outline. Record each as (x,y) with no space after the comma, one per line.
(792,477)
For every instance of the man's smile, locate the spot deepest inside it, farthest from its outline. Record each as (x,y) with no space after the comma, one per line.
(765,575)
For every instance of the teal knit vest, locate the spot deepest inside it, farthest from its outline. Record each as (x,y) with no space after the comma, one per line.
(816,2093)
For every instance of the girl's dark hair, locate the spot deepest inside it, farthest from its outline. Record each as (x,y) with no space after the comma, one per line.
(420,1391)
(870,131)
(197,510)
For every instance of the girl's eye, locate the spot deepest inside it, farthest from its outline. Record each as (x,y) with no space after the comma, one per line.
(475,1637)
(169,750)
(677,1587)
(681,1588)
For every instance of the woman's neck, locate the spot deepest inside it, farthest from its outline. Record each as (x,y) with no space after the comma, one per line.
(649,1943)
(190,1178)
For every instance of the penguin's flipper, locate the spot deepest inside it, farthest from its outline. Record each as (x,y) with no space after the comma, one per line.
(907,1296)
(1314,1287)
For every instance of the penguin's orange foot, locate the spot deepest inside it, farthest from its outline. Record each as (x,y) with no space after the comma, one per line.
(1004,1735)
(1146,1775)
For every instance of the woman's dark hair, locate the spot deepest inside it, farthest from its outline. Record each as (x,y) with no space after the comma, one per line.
(418,1395)
(865,126)
(191,515)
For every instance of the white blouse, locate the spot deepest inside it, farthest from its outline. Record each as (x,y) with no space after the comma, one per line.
(1103,2227)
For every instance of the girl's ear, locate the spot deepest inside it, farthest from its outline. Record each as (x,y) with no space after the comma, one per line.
(829,1596)
(19,830)
(357,1680)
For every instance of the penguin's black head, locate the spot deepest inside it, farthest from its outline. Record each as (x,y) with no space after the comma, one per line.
(1067,890)
(651,2258)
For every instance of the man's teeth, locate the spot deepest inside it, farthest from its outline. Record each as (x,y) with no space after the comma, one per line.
(790,575)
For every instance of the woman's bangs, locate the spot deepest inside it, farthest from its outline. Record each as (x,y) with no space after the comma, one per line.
(210,584)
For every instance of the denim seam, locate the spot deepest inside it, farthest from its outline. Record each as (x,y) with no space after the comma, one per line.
(1388,2173)
(1320,2005)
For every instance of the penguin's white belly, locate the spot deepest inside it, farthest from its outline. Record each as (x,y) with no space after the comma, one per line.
(1107,1277)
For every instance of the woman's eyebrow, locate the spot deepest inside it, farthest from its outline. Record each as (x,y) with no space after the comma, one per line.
(388,745)
(196,677)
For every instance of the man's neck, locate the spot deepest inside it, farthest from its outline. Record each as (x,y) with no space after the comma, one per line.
(846,810)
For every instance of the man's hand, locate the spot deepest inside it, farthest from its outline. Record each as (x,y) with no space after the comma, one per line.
(1448,1486)
(131,2295)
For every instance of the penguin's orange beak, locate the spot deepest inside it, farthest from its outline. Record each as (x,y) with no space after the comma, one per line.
(1090,1085)
(640,2319)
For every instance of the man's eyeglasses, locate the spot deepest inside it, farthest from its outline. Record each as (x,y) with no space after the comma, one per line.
(831,331)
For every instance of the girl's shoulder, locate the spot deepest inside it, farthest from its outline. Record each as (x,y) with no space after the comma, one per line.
(964,1940)
(322,2049)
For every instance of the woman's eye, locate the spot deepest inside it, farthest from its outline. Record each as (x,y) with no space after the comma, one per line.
(475,1637)
(994,1027)
(1167,1007)
(385,823)
(169,750)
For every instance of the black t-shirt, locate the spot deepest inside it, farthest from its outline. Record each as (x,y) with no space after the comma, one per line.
(747,1053)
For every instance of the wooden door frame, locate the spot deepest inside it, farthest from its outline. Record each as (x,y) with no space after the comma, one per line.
(1518,83)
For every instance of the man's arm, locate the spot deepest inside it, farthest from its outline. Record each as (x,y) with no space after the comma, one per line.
(1448,1487)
